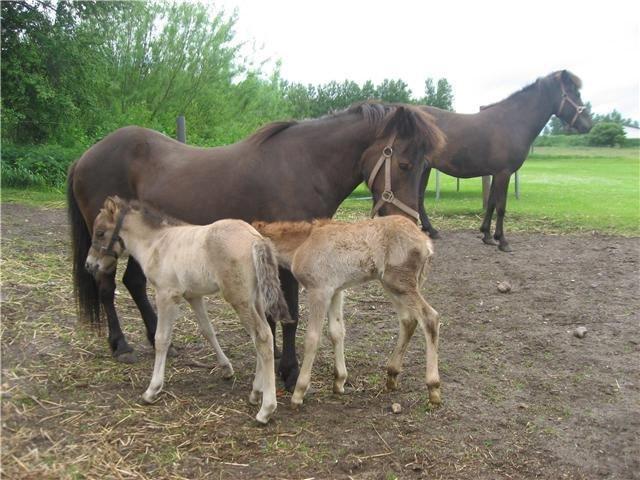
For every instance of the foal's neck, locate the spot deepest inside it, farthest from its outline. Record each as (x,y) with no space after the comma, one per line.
(139,236)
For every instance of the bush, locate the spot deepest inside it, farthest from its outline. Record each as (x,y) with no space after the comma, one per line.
(36,166)
(606,134)
(561,141)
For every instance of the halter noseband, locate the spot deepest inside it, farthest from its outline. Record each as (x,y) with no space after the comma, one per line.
(567,99)
(387,195)
(115,237)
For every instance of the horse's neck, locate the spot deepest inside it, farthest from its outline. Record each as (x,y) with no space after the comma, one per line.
(528,111)
(139,238)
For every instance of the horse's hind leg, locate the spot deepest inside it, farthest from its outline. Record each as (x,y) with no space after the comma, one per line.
(485,228)
(136,282)
(167,312)
(424,218)
(337,333)
(319,301)
(120,349)
(197,304)
(502,187)
(288,367)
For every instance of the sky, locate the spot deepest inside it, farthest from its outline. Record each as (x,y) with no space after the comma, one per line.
(485,49)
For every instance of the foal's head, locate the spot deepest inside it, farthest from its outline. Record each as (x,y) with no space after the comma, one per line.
(106,244)
(393,164)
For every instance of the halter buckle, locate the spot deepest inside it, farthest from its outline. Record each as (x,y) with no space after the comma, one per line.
(388,196)
(387,151)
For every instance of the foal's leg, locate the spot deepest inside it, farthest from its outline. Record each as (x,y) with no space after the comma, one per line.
(424,218)
(429,320)
(407,327)
(502,186)
(319,301)
(120,349)
(336,332)
(136,282)
(288,367)
(485,228)
(167,312)
(265,378)
(197,304)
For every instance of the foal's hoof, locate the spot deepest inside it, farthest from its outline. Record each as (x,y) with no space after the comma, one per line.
(434,396)
(148,398)
(296,404)
(126,357)
(227,371)
(254,397)
(172,352)
(289,377)
(392,382)
(504,247)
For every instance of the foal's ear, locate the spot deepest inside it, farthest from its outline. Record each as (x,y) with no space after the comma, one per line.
(111,205)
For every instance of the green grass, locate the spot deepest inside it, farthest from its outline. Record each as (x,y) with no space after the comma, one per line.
(562,189)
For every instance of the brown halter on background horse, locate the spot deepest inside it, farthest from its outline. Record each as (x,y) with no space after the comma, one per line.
(496,141)
(286,171)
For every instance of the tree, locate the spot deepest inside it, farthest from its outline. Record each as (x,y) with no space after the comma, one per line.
(607,134)
(440,95)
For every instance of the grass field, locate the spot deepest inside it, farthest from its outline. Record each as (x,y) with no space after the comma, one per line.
(562,189)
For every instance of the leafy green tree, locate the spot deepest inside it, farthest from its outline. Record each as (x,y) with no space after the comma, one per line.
(606,134)
(440,95)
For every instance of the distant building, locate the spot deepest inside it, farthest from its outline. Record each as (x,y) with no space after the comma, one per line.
(631,132)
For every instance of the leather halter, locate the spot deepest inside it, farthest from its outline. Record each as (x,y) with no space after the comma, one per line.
(115,237)
(387,195)
(567,99)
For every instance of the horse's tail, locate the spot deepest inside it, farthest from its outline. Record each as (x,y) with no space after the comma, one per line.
(84,286)
(266,266)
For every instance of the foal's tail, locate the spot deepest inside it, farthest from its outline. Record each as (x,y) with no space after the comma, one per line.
(84,286)
(266,265)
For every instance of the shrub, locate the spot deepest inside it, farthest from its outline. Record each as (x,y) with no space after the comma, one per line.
(36,166)
(606,134)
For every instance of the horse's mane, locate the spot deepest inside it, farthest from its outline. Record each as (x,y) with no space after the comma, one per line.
(406,121)
(572,77)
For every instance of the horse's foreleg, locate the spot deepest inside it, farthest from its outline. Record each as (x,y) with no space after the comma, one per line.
(337,333)
(167,312)
(424,218)
(197,304)
(288,367)
(485,228)
(120,349)
(502,186)
(136,282)
(318,304)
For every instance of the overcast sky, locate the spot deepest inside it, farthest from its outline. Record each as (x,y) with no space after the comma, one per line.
(486,49)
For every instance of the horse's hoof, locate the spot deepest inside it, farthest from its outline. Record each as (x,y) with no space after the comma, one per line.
(277,353)
(290,377)
(488,241)
(126,357)
(505,247)
(434,234)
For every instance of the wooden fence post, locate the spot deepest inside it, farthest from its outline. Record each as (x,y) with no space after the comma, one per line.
(437,184)
(181,129)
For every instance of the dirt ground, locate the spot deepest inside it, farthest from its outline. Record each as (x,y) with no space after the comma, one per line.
(523,397)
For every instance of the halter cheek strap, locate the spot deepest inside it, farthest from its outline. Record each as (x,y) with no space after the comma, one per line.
(387,195)
(115,237)
(567,99)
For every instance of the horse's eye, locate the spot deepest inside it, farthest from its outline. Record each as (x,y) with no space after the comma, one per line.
(100,234)
(405,165)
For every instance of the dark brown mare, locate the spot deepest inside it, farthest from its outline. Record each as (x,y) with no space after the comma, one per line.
(496,140)
(285,171)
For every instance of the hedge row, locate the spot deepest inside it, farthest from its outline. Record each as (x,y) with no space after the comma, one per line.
(37,166)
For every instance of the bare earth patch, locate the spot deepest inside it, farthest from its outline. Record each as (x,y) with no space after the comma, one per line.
(523,397)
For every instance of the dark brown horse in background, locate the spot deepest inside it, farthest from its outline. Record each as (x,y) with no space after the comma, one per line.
(496,140)
(286,171)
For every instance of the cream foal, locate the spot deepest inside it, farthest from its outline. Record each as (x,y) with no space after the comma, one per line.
(328,256)
(189,261)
